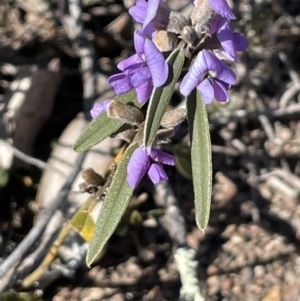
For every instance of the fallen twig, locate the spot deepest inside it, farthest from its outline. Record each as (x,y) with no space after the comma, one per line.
(184,255)
(46,213)
(28,159)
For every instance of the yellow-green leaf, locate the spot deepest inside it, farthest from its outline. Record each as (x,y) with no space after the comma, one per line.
(114,205)
(200,156)
(84,223)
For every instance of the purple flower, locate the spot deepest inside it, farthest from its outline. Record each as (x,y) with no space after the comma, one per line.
(230,41)
(210,9)
(141,71)
(222,8)
(154,15)
(142,162)
(99,107)
(211,76)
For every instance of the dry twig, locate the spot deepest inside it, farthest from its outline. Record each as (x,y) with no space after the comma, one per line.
(44,216)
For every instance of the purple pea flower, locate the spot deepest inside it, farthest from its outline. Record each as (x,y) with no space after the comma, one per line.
(141,71)
(99,107)
(154,15)
(222,8)
(143,161)
(211,76)
(210,9)
(229,40)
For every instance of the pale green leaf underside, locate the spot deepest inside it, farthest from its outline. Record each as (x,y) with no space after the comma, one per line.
(201,157)
(114,205)
(103,126)
(161,96)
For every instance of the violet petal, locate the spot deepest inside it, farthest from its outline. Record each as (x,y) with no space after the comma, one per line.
(138,165)
(121,83)
(157,173)
(157,64)
(139,10)
(225,36)
(194,76)
(162,157)
(144,91)
(240,42)
(139,42)
(150,15)
(132,60)
(212,63)
(221,7)
(97,109)
(206,90)
(220,91)
(140,76)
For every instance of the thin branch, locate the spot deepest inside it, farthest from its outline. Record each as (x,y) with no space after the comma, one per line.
(184,255)
(45,215)
(174,221)
(28,159)
(267,126)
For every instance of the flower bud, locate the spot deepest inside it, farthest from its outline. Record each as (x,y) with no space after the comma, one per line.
(126,113)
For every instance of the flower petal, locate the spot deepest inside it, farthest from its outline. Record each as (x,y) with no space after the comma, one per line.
(150,15)
(240,42)
(206,90)
(138,165)
(220,91)
(162,157)
(157,64)
(221,7)
(157,173)
(97,109)
(139,42)
(140,76)
(144,91)
(195,75)
(223,72)
(225,36)
(132,60)
(139,10)
(121,83)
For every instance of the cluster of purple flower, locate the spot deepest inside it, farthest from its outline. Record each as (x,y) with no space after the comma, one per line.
(207,39)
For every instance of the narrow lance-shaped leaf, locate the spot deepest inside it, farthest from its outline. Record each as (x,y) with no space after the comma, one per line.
(200,156)
(114,205)
(103,126)
(161,96)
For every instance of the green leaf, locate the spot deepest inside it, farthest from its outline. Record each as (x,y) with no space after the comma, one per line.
(183,162)
(201,157)
(103,126)
(161,96)
(114,205)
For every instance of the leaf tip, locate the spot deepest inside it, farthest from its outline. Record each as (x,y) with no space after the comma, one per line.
(89,260)
(75,148)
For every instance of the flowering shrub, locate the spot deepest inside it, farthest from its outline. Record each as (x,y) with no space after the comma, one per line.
(197,49)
